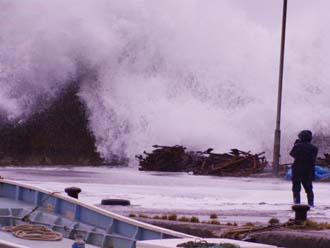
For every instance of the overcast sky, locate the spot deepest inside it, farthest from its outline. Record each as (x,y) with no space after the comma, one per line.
(269,12)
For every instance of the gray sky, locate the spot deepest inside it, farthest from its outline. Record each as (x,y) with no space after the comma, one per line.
(266,12)
(269,12)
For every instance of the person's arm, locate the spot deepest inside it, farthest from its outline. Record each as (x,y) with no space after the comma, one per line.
(293,152)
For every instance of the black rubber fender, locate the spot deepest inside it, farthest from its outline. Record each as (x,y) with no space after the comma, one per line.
(121,202)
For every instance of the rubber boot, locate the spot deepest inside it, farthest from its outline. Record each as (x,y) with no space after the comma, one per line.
(310,199)
(296,197)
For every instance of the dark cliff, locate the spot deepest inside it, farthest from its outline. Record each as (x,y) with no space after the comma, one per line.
(58,135)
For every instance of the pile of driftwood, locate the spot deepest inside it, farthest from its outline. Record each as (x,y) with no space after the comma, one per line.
(176,158)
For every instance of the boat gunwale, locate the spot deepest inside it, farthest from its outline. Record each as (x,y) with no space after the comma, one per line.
(100,210)
(11,245)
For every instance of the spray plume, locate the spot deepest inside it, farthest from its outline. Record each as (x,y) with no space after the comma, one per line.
(201,74)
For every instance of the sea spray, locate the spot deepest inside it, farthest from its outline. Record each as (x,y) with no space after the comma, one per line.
(200,74)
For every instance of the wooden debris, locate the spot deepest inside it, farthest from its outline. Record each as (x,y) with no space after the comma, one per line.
(176,158)
(164,158)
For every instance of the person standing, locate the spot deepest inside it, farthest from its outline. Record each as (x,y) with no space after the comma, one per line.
(303,167)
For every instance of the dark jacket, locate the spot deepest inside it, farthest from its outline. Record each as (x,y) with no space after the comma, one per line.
(304,154)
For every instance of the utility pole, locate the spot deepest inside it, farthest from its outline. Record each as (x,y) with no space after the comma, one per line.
(277,138)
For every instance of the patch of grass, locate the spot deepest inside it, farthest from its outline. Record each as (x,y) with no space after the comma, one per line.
(214,222)
(184,219)
(228,245)
(308,224)
(213,216)
(249,224)
(326,225)
(273,221)
(143,216)
(132,215)
(164,217)
(192,244)
(156,217)
(172,217)
(194,219)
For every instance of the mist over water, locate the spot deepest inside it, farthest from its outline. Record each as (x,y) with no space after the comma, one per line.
(197,73)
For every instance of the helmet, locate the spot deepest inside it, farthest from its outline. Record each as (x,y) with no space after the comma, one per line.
(305,135)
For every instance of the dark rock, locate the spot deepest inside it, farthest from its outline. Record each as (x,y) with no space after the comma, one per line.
(57,135)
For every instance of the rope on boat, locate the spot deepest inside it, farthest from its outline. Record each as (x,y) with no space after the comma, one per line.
(33,232)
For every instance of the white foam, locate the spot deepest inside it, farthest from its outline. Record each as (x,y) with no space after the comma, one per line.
(201,74)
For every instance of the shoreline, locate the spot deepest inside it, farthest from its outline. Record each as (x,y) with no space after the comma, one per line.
(238,216)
